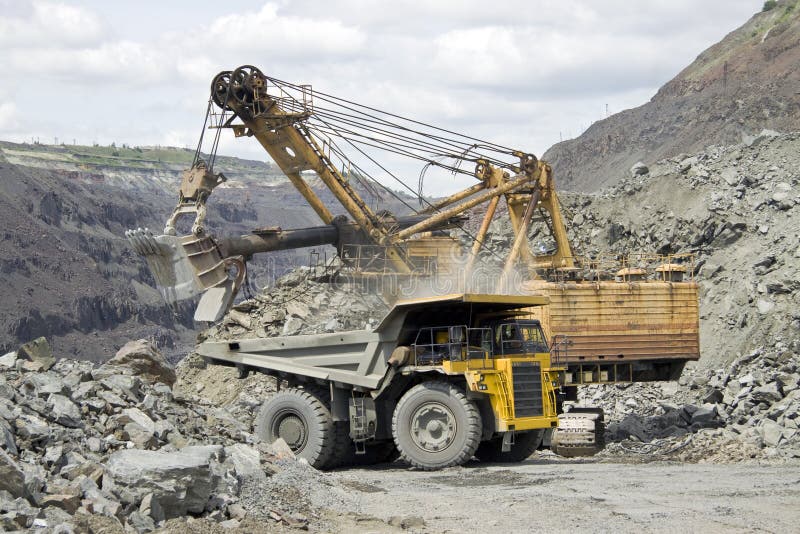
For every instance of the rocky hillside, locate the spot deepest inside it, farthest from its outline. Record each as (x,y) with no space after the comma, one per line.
(66,270)
(742,85)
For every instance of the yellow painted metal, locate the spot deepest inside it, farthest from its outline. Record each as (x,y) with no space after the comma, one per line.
(275,144)
(521,240)
(494,378)
(440,256)
(562,257)
(429,223)
(481,236)
(452,199)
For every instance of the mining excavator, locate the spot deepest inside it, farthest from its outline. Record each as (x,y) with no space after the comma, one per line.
(471,370)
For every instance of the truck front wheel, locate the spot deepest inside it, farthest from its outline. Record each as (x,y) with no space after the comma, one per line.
(436,426)
(303,421)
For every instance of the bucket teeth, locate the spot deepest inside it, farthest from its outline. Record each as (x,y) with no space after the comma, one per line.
(143,241)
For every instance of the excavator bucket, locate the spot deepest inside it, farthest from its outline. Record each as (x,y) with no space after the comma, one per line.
(185,267)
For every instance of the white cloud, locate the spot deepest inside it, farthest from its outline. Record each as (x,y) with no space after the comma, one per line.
(267,31)
(518,72)
(114,62)
(55,23)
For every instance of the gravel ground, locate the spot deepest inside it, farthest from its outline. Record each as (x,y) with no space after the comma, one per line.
(545,494)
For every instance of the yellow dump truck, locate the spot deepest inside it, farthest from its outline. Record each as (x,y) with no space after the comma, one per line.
(439,380)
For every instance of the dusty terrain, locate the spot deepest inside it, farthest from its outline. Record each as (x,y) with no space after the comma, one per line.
(554,495)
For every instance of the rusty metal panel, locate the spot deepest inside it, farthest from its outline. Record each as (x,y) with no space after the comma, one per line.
(622,321)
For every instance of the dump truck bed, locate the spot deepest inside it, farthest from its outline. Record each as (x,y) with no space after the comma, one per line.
(622,323)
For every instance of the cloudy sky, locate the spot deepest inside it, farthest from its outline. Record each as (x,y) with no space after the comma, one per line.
(521,73)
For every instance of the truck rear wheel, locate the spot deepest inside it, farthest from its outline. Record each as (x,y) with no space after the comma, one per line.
(525,444)
(436,426)
(303,421)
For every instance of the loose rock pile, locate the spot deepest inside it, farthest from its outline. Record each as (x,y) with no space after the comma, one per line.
(734,208)
(115,447)
(300,303)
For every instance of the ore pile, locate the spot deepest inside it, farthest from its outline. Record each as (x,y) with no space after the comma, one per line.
(115,448)
(736,209)
(301,303)
(749,410)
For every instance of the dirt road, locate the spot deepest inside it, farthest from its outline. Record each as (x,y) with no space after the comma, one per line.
(589,496)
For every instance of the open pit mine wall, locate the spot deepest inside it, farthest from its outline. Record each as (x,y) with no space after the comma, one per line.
(620,331)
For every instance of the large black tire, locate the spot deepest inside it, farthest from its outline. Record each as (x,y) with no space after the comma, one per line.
(436,426)
(525,444)
(304,421)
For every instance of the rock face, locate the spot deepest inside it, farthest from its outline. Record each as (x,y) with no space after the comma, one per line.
(64,218)
(740,86)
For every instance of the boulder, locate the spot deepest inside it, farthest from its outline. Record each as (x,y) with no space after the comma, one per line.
(138,358)
(42,385)
(12,479)
(639,169)
(38,351)
(7,439)
(771,432)
(245,460)
(768,393)
(181,481)
(63,411)
(705,414)
(8,360)
(292,326)
(67,502)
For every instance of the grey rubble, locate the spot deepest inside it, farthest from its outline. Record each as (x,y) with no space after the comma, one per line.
(736,209)
(301,303)
(115,448)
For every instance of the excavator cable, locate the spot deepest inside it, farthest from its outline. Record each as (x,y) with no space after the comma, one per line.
(341,154)
(199,148)
(453,150)
(327,97)
(421,140)
(422,199)
(388,147)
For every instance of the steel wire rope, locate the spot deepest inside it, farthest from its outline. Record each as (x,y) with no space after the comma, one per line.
(358,121)
(422,138)
(461,227)
(329,97)
(424,149)
(462,148)
(390,148)
(338,151)
(202,135)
